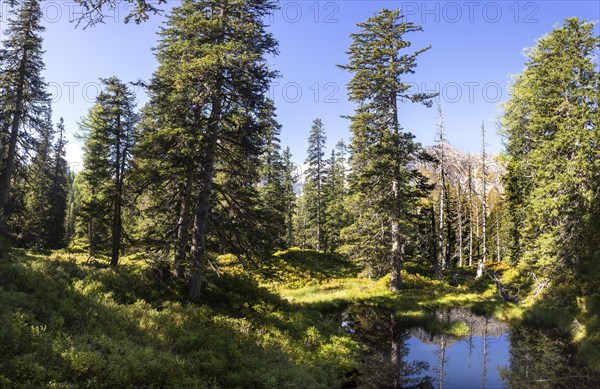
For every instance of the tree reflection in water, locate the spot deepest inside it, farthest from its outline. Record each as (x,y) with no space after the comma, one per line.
(389,362)
(384,363)
(491,355)
(544,358)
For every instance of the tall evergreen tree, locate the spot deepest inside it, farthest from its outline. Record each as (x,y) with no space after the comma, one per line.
(59,191)
(382,152)
(315,178)
(109,138)
(45,190)
(93,204)
(334,193)
(301,219)
(289,180)
(71,209)
(551,127)
(272,189)
(205,99)
(382,174)
(38,198)
(23,96)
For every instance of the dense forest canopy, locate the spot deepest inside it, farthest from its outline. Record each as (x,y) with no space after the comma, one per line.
(197,186)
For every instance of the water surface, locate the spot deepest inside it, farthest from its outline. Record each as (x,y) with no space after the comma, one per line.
(490,355)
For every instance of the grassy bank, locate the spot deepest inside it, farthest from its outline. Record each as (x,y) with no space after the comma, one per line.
(66,321)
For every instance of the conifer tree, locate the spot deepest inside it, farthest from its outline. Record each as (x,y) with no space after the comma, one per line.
(334,196)
(289,181)
(93,203)
(23,97)
(109,133)
(551,127)
(382,176)
(71,209)
(301,219)
(315,178)
(59,191)
(38,197)
(205,100)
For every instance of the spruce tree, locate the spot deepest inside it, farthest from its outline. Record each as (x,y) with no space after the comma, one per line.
(93,208)
(205,100)
(383,177)
(38,197)
(272,185)
(59,191)
(551,127)
(71,208)
(315,179)
(334,196)
(24,97)
(109,133)
(289,180)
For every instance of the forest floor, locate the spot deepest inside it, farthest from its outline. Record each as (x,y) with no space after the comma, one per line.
(67,321)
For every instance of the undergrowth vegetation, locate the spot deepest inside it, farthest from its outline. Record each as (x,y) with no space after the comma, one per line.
(68,321)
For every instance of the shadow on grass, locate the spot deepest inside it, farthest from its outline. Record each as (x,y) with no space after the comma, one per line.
(66,323)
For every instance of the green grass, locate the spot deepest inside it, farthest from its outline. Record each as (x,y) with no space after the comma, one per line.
(66,321)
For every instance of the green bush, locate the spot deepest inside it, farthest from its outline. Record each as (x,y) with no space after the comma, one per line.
(67,322)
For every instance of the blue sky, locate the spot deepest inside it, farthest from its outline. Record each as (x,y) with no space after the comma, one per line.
(476,46)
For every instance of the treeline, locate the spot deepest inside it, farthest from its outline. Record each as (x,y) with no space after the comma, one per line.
(200,169)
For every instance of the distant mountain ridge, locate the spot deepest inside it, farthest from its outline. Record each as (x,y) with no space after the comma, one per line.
(457,168)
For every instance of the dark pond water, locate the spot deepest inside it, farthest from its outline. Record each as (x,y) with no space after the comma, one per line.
(490,355)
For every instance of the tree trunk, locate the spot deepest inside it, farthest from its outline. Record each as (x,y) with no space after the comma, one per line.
(183,225)
(198,249)
(290,227)
(498,257)
(9,161)
(396,255)
(483,258)
(436,264)
(440,240)
(470,214)
(116,227)
(91,247)
(477,233)
(319,199)
(116,232)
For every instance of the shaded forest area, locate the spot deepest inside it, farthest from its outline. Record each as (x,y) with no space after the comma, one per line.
(189,251)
